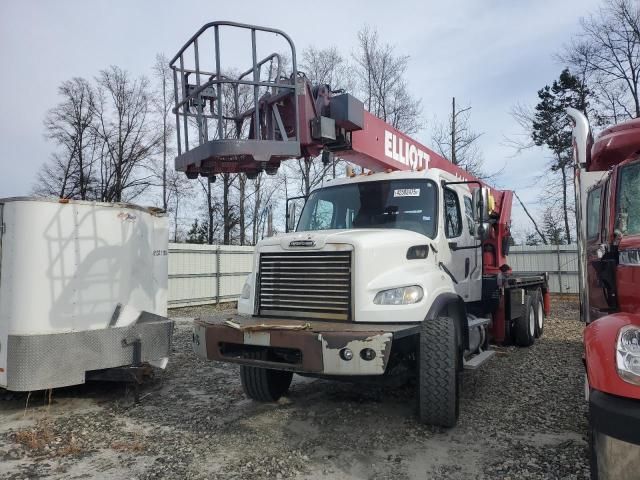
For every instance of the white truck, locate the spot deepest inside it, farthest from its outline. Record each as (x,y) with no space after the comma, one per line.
(401,272)
(83,289)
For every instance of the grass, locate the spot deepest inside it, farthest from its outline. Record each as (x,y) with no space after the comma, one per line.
(37,437)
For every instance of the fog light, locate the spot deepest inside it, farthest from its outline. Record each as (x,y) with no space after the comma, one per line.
(346,354)
(367,354)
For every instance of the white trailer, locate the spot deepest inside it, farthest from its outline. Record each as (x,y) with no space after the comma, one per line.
(83,287)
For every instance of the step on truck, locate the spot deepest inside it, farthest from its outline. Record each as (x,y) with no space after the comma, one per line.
(397,273)
(608,218)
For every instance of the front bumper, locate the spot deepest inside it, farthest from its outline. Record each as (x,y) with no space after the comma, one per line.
(615,423)
(297,345)
(38,362)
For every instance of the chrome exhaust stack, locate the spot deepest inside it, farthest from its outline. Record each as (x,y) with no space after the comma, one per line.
(582,142)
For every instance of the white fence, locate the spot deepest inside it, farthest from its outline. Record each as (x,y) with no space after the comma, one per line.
(204,274)
(559,261)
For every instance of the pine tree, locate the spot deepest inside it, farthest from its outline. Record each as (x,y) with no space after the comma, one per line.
(552,129)
(198,232)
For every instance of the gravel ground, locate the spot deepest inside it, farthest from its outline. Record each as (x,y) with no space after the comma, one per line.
(522,417)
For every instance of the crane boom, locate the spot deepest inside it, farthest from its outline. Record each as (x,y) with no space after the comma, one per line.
(252,121)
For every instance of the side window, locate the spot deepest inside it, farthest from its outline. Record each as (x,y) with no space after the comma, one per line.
(323,216)
(452,216)
(593,213)
(628,209)
(468,212)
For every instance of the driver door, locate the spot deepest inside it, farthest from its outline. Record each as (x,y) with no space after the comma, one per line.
(463,265)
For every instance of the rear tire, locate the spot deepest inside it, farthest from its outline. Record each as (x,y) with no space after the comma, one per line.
(264,384)
(525,324)
(538,303)
(439,373)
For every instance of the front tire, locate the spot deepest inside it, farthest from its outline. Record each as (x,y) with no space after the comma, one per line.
(264,384)
(525,324)
(439,373)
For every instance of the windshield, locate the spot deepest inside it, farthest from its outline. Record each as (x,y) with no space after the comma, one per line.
(629,198)
(405,204)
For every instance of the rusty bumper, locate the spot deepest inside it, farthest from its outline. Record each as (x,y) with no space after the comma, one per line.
(298,345)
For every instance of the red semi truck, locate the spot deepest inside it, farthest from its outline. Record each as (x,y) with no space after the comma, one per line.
(608,217)
(399,272)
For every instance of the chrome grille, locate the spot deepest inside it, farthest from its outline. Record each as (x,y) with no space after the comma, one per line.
(305,284)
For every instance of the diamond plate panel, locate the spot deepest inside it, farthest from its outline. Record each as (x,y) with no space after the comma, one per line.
(37,362)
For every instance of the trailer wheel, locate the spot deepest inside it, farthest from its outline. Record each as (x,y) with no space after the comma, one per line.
(539,306)
(264,384)
(439,373)
(525,324)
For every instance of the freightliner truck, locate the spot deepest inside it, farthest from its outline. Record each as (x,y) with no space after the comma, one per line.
(399,272)
(608,218)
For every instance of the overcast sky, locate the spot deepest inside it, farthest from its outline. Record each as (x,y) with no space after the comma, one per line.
(489,54)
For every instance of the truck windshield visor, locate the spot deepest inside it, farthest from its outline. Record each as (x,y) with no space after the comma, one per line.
(403,204)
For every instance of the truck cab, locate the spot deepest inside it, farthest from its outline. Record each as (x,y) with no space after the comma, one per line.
(406,238)
(609,242)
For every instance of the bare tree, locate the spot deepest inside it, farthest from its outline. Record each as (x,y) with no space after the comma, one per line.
(457,142)
(327,66)
(178,189)
(307,174)
(381,73)
(162,104)
(69,126)
(128,139)
(265,189)
(607,50)
(54,178)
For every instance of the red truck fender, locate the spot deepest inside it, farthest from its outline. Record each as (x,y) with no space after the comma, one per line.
(600,338)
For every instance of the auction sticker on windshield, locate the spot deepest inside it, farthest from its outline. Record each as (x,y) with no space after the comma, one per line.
(406,192)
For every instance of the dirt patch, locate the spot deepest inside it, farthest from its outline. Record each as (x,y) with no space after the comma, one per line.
(522,416)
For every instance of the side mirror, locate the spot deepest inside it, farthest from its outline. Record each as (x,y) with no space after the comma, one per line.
(291,217)
(480,201)
(622,221)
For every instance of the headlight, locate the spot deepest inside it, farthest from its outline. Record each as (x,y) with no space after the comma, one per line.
(399,296)
(246,291)
(628,354)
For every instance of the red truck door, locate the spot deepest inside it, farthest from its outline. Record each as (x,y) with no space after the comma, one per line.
(596,238)
(628,229)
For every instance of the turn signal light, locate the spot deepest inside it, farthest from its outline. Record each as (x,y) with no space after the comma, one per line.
(367,354)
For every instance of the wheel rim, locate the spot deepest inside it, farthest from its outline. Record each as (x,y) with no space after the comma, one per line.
(540,316)
(532,321)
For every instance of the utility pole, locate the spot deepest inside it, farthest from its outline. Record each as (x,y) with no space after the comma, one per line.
(453,131)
